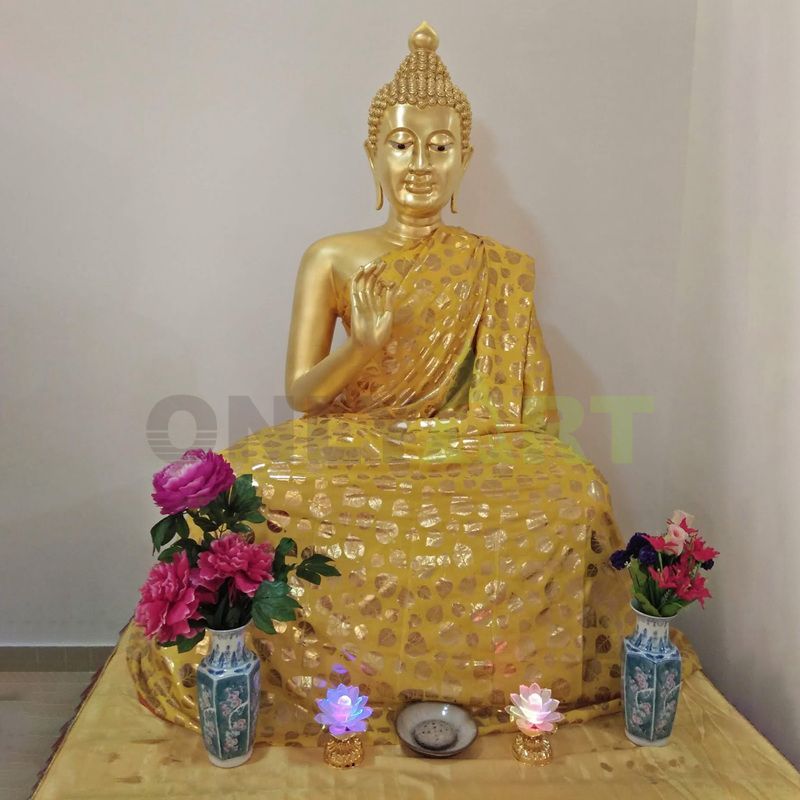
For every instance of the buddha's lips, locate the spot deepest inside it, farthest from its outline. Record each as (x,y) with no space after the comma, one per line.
(419,187)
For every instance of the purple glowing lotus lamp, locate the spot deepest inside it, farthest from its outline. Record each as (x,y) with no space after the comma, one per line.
(344,712)
(534,711)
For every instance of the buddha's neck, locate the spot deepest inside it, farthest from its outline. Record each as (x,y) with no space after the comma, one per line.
(402,227)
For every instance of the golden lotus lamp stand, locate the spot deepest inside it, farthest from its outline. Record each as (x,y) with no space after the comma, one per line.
(344,752)
(534,749)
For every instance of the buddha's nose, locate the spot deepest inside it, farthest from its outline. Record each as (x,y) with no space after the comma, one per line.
(419,160)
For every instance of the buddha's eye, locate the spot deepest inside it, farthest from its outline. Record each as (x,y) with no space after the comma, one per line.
(440,144)
(401,142)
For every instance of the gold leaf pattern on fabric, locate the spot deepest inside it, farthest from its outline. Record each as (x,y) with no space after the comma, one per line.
(473,543)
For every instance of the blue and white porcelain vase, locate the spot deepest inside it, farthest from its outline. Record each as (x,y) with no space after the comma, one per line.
(228,686)
(651,681)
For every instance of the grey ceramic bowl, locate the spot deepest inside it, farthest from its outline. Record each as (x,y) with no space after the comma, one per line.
(416,713)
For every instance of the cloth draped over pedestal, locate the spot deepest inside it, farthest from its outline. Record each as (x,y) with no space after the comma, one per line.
(473,543)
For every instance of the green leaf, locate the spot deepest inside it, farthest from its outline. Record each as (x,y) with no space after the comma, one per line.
(315,567)
(242,491)
(217,511)
(308,574)
(181,526)
(163,532)
(191,547)
(205,524)
(672,608)
(286,547)
(167,554)
(186,644)
(255,516)
(262,622)
(273,601)
(645,605)
(240,527)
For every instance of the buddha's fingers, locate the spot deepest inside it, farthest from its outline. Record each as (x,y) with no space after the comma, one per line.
(357,292)
(369,285)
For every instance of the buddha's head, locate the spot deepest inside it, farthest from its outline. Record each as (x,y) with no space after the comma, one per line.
(419,126)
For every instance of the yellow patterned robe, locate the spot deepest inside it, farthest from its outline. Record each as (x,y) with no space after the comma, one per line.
(473,544)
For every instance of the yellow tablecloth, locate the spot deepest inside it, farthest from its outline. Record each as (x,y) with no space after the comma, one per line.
(116,749)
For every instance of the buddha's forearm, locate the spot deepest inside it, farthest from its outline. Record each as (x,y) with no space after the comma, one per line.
(315,388)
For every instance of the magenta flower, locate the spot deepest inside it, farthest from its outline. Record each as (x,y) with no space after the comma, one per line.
(169,600)
(192,482)
(344,710)
(249,565)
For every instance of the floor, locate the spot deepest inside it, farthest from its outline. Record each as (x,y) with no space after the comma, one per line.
(33,708)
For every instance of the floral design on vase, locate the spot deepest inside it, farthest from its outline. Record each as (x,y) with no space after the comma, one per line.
(651,681)
(228,687)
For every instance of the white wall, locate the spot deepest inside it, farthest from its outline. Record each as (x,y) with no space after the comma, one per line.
(734,433)
(163,166)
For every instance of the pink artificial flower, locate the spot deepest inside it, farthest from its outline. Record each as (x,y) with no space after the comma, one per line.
(169,602)
(682,520)
(192,482)
(675,539)
(230,556)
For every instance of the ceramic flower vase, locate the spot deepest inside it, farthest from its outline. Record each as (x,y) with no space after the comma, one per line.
(228,685)
(651,681)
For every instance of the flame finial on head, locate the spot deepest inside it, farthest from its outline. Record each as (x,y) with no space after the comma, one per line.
(423,38)
(421,80)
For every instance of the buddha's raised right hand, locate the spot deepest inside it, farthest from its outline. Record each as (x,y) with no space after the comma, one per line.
(371,304)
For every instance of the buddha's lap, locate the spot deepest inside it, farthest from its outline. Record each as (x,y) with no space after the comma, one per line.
(460,578)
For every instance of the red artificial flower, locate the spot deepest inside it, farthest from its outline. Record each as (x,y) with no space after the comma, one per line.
(232,557)
(169,602)
(700,551)
(658,543)
(682,520)
(696,590)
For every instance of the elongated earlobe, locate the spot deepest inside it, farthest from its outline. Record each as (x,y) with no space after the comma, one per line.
(378,187)
(453,203)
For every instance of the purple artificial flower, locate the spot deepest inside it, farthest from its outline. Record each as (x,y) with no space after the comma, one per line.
(344,710)
(619,559)
(636,543)
(647,556)
(192,482)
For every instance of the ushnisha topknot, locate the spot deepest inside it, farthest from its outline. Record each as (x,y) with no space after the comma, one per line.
(421,80)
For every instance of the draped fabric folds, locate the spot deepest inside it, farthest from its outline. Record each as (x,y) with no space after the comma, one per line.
(473,544)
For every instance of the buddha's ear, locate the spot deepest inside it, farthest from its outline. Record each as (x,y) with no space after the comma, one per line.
(370,155)
(378,188)
(466,157)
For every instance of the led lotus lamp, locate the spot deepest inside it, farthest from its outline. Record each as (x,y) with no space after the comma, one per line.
(344,712)
(534,712)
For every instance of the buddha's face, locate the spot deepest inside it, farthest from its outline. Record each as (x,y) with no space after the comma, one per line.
(418,157)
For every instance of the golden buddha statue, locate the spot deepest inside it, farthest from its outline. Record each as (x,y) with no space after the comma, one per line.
(473,544)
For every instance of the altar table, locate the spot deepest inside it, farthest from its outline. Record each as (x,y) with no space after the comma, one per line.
(115,749)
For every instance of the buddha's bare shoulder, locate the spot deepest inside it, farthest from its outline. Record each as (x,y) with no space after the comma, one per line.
(343,253)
